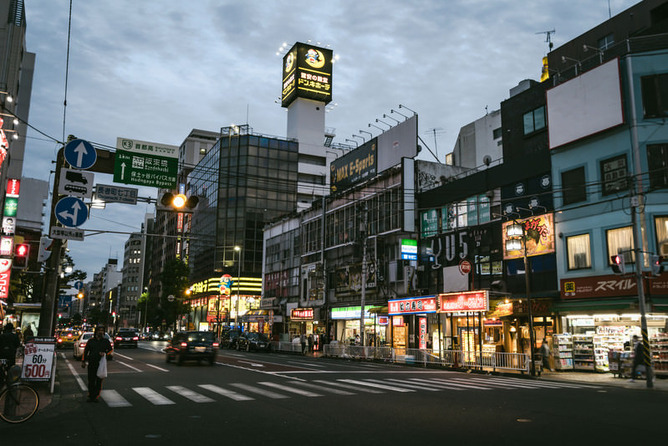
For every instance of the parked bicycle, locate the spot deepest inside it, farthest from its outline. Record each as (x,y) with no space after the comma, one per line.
(18,401)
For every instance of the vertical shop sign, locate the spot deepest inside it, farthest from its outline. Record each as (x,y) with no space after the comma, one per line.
(423,333)
(5,273)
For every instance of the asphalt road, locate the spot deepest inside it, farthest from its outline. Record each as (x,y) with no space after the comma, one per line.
(266,398)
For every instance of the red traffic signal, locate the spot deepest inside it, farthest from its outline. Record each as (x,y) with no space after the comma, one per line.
(618,265)
(21,256)
(656,265)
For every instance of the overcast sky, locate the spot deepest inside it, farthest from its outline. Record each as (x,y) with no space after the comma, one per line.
(153,70)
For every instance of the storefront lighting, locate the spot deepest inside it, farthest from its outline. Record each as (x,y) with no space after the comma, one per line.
(515,230)
(513,244)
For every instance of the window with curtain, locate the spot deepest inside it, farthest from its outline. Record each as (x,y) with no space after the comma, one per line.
(620,241)
(579,251)
(661,225)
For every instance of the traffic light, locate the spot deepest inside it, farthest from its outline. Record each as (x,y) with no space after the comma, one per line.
(618,266)
(656,265)
(179,202)
(80,295)
(21,256)
(44,249)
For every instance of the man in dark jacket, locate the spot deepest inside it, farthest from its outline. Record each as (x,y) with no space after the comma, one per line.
(96,348)
(9,342)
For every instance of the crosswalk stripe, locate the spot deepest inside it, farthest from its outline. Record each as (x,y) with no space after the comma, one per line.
(325,389)
(114,399)
(226,393)
(290,389)
(487,382)
(152,396)
(551,384)
(435,384)
(525,384)
(403,384)
(347,386)
(447,382)
(191,395)
(417,386)
(263,392)
(376,385)
(305,364)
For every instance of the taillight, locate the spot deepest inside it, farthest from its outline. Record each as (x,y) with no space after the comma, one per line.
(184,344)
(136,338)
(60,340)
(118,338)
(83,344)
(215,344)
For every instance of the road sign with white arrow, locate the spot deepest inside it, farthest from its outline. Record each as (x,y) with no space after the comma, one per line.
(71,212)
(80,154)
(145,170)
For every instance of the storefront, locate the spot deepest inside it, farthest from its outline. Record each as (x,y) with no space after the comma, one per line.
(598,317)
(411,325)
(346,325)
(464,312)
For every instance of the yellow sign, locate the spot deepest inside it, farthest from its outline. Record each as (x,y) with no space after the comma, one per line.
(539,236)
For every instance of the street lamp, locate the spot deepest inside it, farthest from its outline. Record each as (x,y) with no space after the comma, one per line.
(517,240)
(238,250)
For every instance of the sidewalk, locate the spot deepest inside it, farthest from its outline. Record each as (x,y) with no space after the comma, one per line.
(607,379)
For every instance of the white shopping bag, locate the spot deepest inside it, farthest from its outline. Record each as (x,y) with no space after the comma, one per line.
(102,368)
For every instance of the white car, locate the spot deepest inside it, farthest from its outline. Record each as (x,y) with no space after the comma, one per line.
(80,345)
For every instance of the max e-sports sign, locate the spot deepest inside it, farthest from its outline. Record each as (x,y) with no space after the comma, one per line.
(354,167)
(307,73)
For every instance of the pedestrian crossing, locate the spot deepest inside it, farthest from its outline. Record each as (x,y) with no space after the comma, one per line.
(239,392)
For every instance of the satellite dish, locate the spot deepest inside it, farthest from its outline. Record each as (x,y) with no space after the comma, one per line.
(487,160)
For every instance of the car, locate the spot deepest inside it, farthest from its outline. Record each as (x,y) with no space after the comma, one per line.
(229,338)
(66,338)
(126,336)
(80,345)
(159,336)
(253,341)
(189,345)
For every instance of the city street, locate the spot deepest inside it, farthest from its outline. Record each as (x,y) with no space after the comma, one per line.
(261,398)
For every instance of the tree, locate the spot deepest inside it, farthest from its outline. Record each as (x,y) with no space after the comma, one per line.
(174,279)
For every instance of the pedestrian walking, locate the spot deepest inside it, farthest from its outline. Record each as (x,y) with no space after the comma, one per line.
(9,343)
(96,349)
(638,357)
(545,353)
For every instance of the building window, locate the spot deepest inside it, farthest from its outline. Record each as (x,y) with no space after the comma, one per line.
(606,42)
(613,175)
(496,133)
(579,251)
(620,242)
(573,186)
(657,158)
(655,95)
(661,226)
(534,120)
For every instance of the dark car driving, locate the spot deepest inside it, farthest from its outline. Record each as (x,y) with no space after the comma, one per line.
(253,341)
(126,337)
(192,345)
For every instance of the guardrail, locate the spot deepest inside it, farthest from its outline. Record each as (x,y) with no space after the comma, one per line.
(449,358)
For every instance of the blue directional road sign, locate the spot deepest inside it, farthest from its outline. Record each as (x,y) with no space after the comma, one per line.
(80,154)
(71,211)
(78,285)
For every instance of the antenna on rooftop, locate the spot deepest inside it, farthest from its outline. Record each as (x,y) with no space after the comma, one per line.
(548,38)
(434,131)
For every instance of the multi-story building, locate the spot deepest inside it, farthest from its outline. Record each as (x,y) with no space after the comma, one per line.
(131,283)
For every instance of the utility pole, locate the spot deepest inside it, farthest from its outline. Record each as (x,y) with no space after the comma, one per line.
(363,291)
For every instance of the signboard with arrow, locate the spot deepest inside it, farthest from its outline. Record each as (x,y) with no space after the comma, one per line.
(71,212)
(145,170)
(80,154)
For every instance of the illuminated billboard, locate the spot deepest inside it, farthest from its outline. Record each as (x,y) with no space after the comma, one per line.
(354,167)
(307,73)
(539,232)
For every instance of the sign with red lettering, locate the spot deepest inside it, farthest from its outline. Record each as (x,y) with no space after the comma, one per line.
(301,314)
(426,304)
(38,359)
(464,301)
(13,187)
(423,333)
(5,272)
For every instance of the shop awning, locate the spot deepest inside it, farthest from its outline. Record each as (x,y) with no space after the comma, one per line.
(378,310)
(255,315)
(595,305)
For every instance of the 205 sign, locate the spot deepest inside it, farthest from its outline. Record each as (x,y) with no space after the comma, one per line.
(38,359)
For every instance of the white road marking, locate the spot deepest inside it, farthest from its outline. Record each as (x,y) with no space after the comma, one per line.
(326,389)
(468,386)
(153,396)
(156,367)
(192,396)
(129,366)
(123,356)
(305,364)
(263,392)
(254,364)
(347,386)
(226,393)
(114,399)
(403,383)
(76,376)
(376,385)
(290,389)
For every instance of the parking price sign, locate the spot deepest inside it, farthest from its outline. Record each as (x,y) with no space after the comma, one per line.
(38,359)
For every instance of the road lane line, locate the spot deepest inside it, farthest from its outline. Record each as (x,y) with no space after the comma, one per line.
(376,385)
(305,364)
(114,399)
(156,367)
(76,376)
(191,395)
(226,393)
(263,392)
(123,356)
(347,386)
(323,388)
(129,366)
(152,396)
(290,389)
